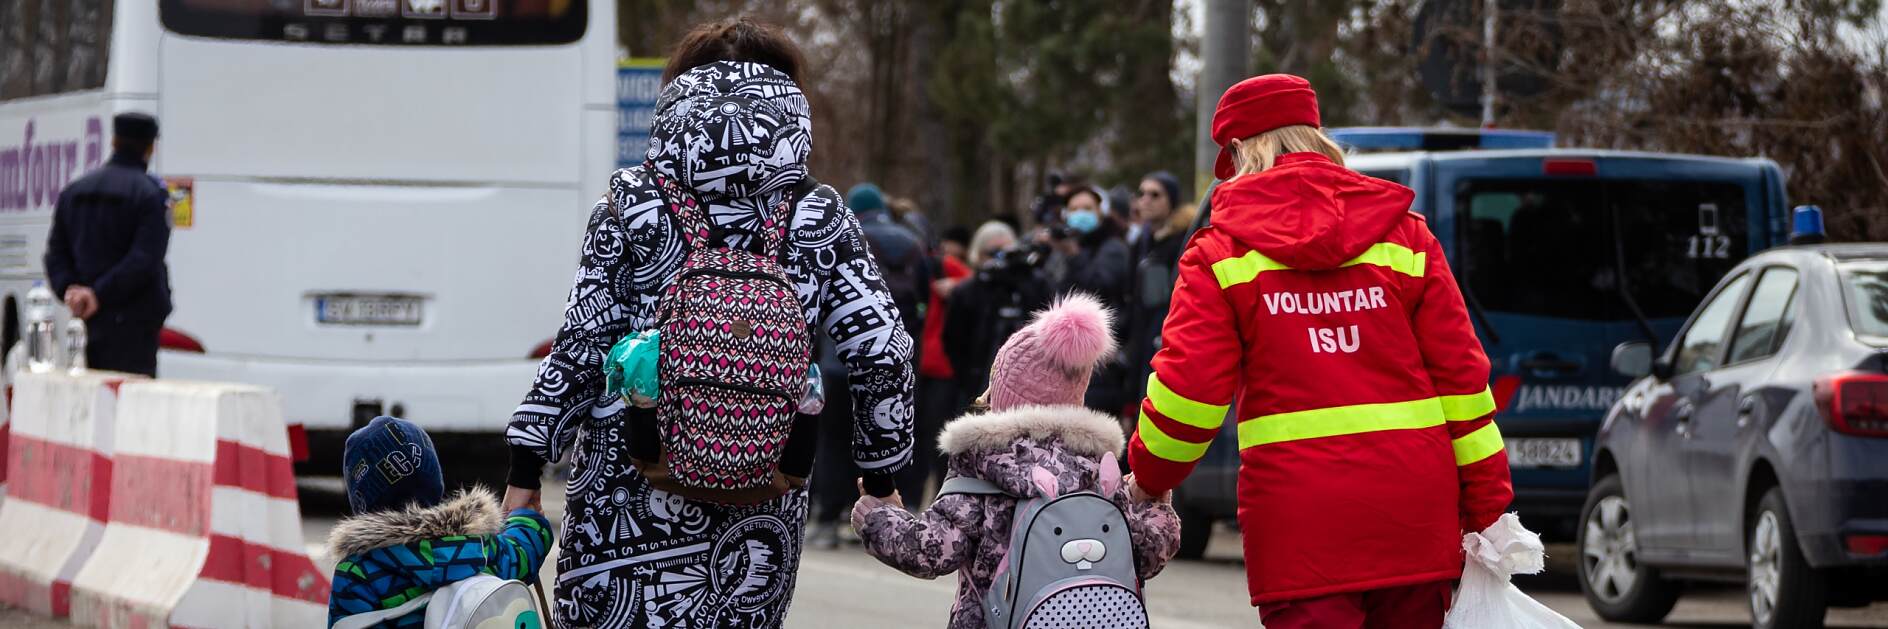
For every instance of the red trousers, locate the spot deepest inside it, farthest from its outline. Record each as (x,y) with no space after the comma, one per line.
(1419,606)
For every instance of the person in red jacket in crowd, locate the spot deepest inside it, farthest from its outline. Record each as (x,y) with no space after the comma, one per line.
(1324,308)
(937,381)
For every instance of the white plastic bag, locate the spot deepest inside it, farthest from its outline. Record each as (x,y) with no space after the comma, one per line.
(1487,599)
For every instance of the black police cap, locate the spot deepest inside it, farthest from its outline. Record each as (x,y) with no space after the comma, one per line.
(134,126)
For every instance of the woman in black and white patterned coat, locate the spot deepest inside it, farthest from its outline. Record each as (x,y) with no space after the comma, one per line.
(736,133)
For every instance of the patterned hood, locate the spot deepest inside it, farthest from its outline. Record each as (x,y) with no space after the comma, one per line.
(738,134)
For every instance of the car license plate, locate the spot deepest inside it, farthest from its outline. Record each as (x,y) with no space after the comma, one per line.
(1543,452)
(367,310)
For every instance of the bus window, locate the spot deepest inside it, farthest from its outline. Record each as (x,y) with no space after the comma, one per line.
(1554,247)
(386,22)
(53,46)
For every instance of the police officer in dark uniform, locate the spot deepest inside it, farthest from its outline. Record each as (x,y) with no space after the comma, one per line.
(105,255)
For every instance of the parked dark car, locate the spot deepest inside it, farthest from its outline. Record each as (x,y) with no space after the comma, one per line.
(1753,449)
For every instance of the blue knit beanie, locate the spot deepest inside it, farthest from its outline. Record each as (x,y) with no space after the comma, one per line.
(388,464)
(865,197)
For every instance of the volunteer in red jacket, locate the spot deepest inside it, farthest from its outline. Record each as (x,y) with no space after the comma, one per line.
(1325,308)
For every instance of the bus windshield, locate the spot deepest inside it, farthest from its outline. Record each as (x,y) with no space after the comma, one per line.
(1561,247)
(382,22)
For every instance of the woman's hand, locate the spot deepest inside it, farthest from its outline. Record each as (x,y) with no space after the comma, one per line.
(521,498)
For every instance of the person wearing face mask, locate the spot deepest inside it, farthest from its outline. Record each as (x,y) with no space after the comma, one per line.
(1161,210)
(1095,260)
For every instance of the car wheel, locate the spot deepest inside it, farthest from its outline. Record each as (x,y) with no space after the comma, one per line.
(1784,590)
(1617,586)
(1196,529)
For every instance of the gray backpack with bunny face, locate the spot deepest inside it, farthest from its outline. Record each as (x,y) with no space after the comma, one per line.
(1070,560)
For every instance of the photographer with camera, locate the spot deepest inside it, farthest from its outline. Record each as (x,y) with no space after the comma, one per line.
(1094,258)
(997,300)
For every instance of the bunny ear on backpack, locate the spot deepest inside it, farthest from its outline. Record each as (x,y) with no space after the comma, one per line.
(1110,474)
(1045,481)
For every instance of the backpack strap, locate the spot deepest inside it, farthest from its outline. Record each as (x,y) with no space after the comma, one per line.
(364,620)
(969,485)
(689,215)
(774,226)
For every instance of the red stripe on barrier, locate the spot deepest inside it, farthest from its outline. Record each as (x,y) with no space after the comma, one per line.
(164,494)
(297,442)
(6,428)
(287,575)
(62,476)
(61,599)
(254,469)
(297,577)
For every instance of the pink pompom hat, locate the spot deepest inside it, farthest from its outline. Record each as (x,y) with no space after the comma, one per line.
(1049,361)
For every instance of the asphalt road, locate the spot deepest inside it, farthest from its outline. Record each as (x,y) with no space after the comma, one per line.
(846,588)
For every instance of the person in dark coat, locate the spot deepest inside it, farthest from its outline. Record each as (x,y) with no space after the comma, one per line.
(105,255)
(1165,215)
(1095,261)
(903,267)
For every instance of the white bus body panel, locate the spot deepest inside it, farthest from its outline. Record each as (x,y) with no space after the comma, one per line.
(460,175)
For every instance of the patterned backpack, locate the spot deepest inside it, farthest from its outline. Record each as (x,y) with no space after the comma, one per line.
(735,351)
(1069,563)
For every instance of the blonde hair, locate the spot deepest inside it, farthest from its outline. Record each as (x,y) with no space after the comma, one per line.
(1260,152)
(985,233)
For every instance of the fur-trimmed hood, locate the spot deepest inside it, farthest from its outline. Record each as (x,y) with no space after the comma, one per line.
(1015,447)
(471,512)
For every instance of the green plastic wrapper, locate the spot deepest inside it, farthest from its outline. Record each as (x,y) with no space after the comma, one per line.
(630,368)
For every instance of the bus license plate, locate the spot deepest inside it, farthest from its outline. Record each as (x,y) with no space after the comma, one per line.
(367,310)
(1543,452)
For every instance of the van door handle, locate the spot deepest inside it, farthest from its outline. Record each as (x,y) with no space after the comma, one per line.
(1746,409)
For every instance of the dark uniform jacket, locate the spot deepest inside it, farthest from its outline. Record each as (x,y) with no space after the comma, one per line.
(109,232)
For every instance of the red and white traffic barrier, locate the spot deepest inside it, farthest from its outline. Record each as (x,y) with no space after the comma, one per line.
(204,528)
(60,471)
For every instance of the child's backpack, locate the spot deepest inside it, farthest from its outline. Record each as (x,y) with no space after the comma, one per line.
(1070,560)
(482,601)
(735,350)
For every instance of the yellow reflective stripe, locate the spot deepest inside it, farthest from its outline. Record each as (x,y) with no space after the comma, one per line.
(1397,257)
(1235,271)
(1339,420)
(1178,408)
(1478,445)
(1462,408)
(1169,448)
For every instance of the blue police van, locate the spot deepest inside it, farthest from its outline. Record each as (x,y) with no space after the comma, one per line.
(1562,254)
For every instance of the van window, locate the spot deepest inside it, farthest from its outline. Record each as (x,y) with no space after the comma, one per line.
(1397,175)
(1560,247)
(53,46)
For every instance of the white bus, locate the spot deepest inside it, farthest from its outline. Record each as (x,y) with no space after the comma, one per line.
(378,204)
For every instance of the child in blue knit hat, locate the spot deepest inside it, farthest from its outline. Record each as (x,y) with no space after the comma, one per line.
(407,539)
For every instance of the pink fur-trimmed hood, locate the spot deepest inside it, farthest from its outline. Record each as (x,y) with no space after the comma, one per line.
(1082,431)
(1019,448)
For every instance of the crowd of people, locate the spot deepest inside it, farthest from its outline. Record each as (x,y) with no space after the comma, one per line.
(961,294)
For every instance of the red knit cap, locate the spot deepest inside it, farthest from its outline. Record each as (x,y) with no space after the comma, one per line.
(1257,105)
